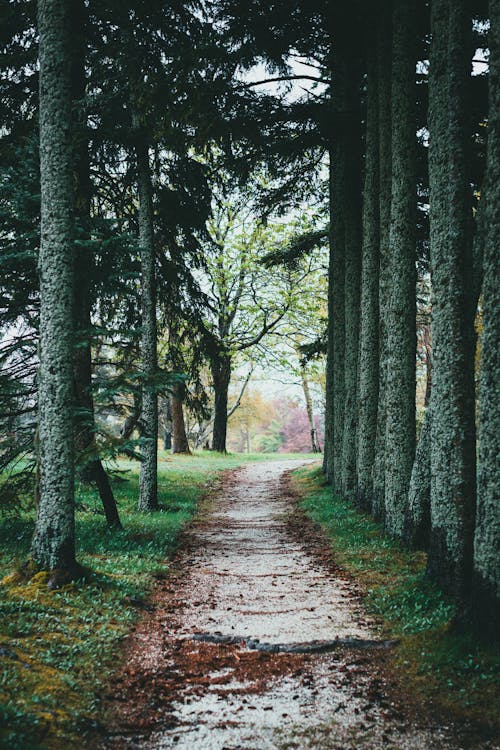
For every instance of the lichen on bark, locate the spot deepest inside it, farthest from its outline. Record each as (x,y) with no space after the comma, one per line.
(452,400)
(54,539)
(368,340)
(384,64)
(417,520)
(148,480)
(486,591)
(401,312)
(349,133)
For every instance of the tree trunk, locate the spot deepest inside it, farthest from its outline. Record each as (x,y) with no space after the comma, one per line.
(179,439)
(452,428)
(54,539)
(351,143)
(401,314)
(486,589)
(368,337)
(315,446)
(132,420)
(221,375)
(148,482)
(384,65)
(85,429)
(428,365)
(418,515)
(345,258)
(329,446)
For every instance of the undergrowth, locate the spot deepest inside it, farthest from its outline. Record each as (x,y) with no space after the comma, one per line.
(454,670)
(57,648)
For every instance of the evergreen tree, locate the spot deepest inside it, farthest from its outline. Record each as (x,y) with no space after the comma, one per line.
(54,539)
(339,167)
(369,334)
(349,92)
(91,468)
(452,399)
(384,74)
(486,590)
(148,485)
(401,313)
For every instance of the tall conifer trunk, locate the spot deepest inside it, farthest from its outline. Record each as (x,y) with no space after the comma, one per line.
(329,444)
(452,401)
(54,539)
(418,515)
(486,590)
(346,257)
(338,170)
(369,339)
(401,313)
(148,481)
(384,66)
(85,428)
(351,137)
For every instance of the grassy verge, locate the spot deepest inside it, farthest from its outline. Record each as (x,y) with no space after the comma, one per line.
(454,671)
(58,647)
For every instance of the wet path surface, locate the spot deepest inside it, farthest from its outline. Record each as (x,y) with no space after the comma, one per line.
(257,642)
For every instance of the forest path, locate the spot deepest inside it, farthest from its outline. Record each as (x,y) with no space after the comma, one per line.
(256,640)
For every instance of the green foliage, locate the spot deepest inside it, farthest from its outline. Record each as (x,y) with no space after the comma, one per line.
(452,668)
(58,647)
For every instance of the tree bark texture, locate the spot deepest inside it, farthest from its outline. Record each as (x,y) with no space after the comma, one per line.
(401,314)
(418,513)
(368,337)
(452,402)
(85,429)
(353,241)
(221,376)
(179,438)
(486,590)
(54,539)
(338,170)
(384,64)
(329,445)
(148,481)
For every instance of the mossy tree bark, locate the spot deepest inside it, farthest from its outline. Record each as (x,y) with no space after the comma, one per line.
(384,63)
(346,260)
(368,337)
(401,313)
(418,514)
(85,427)
(328,451)
(452,402)
(353,241)
(148,480)
(54,539)
(486,590)
(338,170)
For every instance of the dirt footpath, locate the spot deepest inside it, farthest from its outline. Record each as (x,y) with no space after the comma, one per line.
(256,641)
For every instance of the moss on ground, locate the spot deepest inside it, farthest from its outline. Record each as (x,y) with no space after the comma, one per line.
(453,670)
(57,648)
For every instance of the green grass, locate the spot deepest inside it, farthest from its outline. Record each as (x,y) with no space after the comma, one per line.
(58,647)
(452,669)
